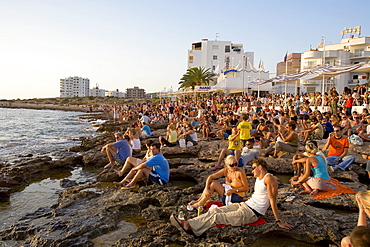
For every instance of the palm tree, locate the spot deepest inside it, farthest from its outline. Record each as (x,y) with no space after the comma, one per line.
(196,77)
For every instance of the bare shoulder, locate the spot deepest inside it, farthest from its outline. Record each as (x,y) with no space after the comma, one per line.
(270,179)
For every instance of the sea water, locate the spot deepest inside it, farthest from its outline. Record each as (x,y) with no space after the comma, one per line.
(25,132)
(39,133)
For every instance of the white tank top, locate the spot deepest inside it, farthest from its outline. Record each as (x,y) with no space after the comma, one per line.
(259,200)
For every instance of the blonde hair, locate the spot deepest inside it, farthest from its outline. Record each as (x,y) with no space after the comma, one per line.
(171,127)
(364,198)
(311,147)
(230,159)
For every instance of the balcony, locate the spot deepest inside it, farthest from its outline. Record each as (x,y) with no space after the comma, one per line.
(360,54)
(310,82)
(312,54)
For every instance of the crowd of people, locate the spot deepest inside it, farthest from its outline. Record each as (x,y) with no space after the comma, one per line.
(252,128)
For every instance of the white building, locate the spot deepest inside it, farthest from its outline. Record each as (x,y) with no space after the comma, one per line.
(218,55)
(233,67)
(74,87)
(97,92)
(349,51)
(115,93)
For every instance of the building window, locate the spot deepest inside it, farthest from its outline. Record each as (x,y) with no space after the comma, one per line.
(214,57)
(214,47)
(227,48)
(311,64)
(358,52)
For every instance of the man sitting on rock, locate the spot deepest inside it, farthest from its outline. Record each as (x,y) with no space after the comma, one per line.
(338,149)
(156,169)
(248,154)
(239,214)
(117,151)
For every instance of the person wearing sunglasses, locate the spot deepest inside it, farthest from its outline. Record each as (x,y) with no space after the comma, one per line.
(239,214)
(338,150)
(236,184)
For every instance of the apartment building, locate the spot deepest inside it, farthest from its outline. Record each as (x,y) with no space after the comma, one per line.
(135,92)
(74,87)
(218,55)
(349,51)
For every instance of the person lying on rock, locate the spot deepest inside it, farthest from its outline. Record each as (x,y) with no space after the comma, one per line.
(132,161)
(320,181)
(156,169)
(117,152)
(234,189)
(239,214)
(360,236)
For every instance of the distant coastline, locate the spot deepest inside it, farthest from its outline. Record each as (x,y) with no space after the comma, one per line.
(82,104)
(19,105)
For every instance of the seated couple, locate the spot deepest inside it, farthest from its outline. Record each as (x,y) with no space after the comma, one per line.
(154,166)
(236,184)
(239,214)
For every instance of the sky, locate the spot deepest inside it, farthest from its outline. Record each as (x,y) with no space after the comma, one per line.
(120,44)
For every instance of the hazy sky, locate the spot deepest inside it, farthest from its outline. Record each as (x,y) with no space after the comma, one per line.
(120,44)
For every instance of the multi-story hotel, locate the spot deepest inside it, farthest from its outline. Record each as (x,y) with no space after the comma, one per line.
(74,87)
(349,51)
(218,55)
(233,67)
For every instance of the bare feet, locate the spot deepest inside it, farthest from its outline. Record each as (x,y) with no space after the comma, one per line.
(305,192)
(119,173)
(314,192)
(109,165)
(192,202)
(196,205)
(124,181)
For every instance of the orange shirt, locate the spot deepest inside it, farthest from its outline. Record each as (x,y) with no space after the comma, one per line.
(337,146)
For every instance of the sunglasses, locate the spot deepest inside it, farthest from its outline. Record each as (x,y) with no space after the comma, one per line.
(233,164)
(336,130)
(254,167)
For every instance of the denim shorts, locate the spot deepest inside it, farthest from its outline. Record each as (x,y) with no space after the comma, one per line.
(118,159)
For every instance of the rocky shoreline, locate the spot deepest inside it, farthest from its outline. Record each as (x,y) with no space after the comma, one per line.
(84,213)
(42,106)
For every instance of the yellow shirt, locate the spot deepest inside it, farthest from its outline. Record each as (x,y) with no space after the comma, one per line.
(234,144)
(245,130)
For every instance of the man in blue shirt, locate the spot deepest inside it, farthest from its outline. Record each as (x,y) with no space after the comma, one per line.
(117,152)
(145,130)
(156,169)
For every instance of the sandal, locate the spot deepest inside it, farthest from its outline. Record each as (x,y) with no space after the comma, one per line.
(129,187)
(108,166)
(176,223)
